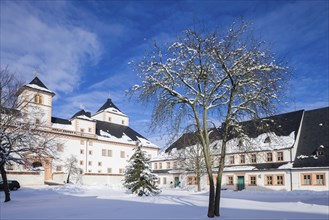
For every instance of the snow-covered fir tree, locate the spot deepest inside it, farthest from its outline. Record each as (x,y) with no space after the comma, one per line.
(138,176)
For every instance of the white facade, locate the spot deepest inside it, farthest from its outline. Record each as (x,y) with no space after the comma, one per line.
(102,157)
(265,162)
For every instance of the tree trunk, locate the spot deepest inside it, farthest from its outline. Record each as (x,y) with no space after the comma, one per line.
(219,186)
(5,183)
(211,205)
(198,173)
(68,176)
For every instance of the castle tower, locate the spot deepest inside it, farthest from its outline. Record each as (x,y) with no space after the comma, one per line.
(36,102)
(110,113)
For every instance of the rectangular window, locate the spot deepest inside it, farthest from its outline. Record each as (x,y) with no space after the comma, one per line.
(82,130)
(82,151)
(269,180)
(90,163)
(123,122)
(160,165)
(253,158)
(319,179)
(104,152)
(121,170)
(229,180)
(89,129)
(109,153)
(306,179)
(10,167)
(90,152)
(168,165)
(191,180)
(252,180)
(99,164)
(242,159)
(122,154)
(269,157)
(155,166)
(82,142)
(280,156)
(99,171)
(81,162)
(60,147)
(58,168)
(164,180)
(175,165)
(109,170)
(231,160)
(279,180)
(109,119)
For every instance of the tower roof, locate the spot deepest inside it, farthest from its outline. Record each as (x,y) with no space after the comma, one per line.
(108,104)
(82,113)
(38,85)
(37,81)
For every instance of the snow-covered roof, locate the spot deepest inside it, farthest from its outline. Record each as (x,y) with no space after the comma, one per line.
(281,130)
(313,146)
(235,168)
(82,114)
(109,106)
(120,133)
(37,84)
(114,110)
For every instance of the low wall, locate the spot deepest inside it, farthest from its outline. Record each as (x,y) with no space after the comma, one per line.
(27,178)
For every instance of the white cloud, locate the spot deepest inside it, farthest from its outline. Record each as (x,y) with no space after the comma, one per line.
(31,38)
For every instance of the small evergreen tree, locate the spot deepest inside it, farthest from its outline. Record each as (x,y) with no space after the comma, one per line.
(138,176)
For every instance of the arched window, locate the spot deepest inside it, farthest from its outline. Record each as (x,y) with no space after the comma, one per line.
(38,99)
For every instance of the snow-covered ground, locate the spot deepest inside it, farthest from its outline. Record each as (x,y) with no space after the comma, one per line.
(95,202)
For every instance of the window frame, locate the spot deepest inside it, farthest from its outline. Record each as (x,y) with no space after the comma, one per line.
(230,180)
(250,183)
(278,157)
(269,157)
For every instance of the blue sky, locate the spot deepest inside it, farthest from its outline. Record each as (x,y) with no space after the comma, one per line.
(81,49)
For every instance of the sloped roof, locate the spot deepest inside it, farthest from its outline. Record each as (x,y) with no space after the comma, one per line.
(37,81)
(37,84)
(60,121)
(314,137)
(190,139)
(117,130)
(81,113)
(108,104)
(281,125)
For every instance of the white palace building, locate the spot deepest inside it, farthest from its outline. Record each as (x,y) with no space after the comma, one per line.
(102,142)
(292,153)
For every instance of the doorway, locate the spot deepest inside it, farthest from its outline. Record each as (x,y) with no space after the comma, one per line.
(177,182)
(240,183)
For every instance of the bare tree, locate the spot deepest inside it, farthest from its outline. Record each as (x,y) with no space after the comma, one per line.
(228,76)
(187,150)
(71,165)
(21,140)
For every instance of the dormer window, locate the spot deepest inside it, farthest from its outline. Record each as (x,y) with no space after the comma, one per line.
(38,99)
(267,140)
